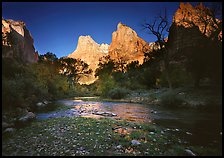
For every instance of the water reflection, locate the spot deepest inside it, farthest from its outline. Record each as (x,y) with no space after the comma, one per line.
(197,127)
(129,112)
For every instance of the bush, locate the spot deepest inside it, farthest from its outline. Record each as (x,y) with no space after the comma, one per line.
(178,76)
(171,99)
(117,93)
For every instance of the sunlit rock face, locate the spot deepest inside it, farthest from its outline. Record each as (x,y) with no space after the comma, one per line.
(190,27)
(200,16)
(17,41)
(127,45)
(90,52)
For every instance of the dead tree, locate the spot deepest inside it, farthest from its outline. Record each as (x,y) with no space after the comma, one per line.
(159,27)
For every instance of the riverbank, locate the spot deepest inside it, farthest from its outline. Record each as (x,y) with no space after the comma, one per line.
(107,136)
(97,137)
(186,97)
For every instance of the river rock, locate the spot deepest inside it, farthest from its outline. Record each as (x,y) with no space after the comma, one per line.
(40,104)
(46,102)
(28,116)
(119,147)
(135,142)
(7,125)
(189,152)
(188,133)
(9,130)
(105,113)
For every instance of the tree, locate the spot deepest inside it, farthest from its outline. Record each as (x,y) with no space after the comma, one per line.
(105,67)
(203,58)
(159,28)
(74,69)
(48,57)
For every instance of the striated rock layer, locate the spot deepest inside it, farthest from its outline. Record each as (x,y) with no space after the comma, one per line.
(126,45)
(90,52)
(17,41)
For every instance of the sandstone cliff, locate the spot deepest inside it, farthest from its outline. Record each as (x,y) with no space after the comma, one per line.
(127,45)
(90,52)
(201,16)
(190,27)
(17,41)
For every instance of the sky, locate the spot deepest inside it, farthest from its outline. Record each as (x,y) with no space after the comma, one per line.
(56,26)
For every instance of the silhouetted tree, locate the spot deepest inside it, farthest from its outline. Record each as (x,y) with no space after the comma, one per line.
(159,27)
(106,66)
(48,57)
(74,69)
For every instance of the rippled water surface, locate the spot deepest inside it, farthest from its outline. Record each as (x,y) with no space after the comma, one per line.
(197,127)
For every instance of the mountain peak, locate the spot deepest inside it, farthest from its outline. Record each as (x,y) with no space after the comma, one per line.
(127,45)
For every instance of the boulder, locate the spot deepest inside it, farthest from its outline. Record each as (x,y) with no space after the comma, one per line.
(189,152)
(27,117)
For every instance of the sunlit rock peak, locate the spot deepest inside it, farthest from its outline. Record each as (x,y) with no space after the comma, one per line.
(189,16)
(126,44)
(90,52)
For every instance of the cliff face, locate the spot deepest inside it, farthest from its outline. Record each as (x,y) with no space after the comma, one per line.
(17,42)
(200,16)
(127,45)
(90,52)
(190,27)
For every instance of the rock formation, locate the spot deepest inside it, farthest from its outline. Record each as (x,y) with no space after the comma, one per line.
(127,45)
(90,52)
(190,27)
(17,41)
(200,16)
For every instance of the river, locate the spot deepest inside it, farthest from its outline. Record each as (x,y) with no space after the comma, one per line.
(191,126)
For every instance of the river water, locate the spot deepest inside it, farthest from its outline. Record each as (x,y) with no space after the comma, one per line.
(191,126)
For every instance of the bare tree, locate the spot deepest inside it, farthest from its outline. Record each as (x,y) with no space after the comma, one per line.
(159,27)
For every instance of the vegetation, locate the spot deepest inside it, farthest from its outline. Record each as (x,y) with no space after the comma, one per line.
(91,137)
(25,85)
(171,99)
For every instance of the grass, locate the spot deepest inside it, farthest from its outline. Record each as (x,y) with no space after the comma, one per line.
(75,136)
(90,137)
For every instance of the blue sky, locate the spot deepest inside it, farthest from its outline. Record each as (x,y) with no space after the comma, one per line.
(56,26)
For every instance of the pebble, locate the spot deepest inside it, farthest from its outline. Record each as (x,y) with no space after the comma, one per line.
(188,133)
(135,142)
(119,146)
(151,133)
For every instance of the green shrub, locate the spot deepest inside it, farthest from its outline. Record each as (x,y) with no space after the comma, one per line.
(117,93)
(171,99)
